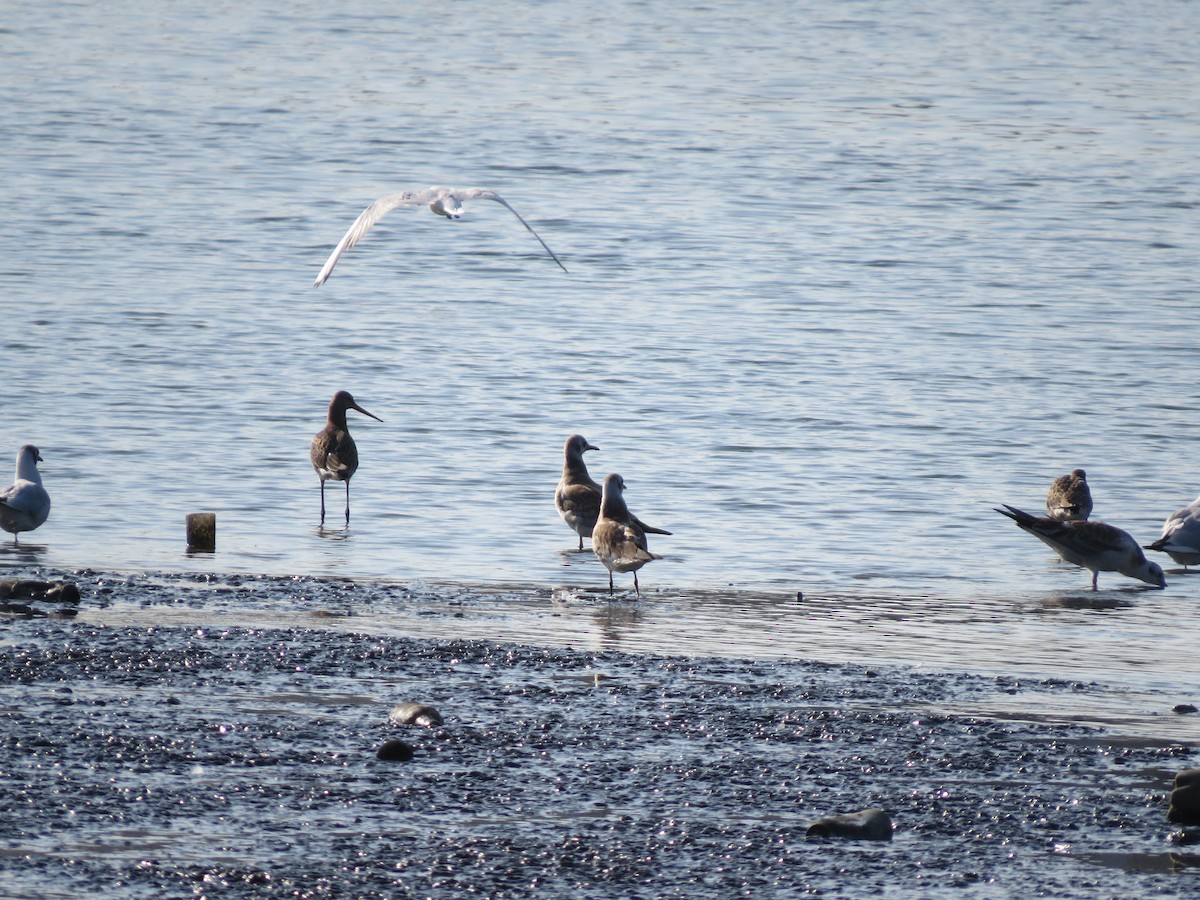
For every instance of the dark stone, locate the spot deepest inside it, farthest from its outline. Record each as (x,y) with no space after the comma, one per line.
(63,592)
(27,589)
(395,751)
(1184,808)
(866,825)
(23,588)
(1185,708)
(415,714)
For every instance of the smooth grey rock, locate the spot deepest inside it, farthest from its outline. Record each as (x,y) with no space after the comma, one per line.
(1184,808)
(28,589)
(415,714)
(865,825)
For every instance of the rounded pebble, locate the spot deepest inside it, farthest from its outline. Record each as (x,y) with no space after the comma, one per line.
(395,751)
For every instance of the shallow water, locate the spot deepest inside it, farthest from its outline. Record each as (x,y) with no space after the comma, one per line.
(837,288)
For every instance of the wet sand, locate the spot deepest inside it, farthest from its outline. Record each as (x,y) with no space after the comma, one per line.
(188,735)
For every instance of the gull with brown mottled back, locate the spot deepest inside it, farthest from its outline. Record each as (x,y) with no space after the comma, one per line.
(1097,546)
(619,538)
(577,497)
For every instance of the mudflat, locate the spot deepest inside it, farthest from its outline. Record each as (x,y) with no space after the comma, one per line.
(146,759)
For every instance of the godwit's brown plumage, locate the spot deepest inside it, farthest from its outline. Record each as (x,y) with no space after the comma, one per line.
(333,452)
(1070,498)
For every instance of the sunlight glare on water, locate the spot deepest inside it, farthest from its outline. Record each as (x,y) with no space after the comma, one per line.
(837,287)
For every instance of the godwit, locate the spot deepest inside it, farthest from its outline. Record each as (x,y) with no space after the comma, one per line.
(333,453)
(1069,498)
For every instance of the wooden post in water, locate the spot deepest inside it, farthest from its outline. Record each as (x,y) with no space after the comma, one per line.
(202,532)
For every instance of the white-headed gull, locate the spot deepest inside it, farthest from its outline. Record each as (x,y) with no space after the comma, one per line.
(619,538)
(1181,535)
(577,497)
(1070,498)
(24,504)
(1096,546)
(333,453)
(442,201)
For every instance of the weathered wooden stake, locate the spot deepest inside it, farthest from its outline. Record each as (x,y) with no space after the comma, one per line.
(202,532)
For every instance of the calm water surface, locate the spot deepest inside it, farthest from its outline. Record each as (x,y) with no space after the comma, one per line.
(842,279)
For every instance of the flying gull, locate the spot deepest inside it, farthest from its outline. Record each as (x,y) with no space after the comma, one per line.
(443,201)
(333,453)
(1096,546)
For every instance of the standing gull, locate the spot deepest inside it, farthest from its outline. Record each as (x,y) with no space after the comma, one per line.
(1096,546)
(619,538)
(443,201)
(1181,535)
(333,453)
(577,497)
(1070,499)
(24,504)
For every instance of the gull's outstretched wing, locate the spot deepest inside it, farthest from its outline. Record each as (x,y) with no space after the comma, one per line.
(367,220)
(485,194)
